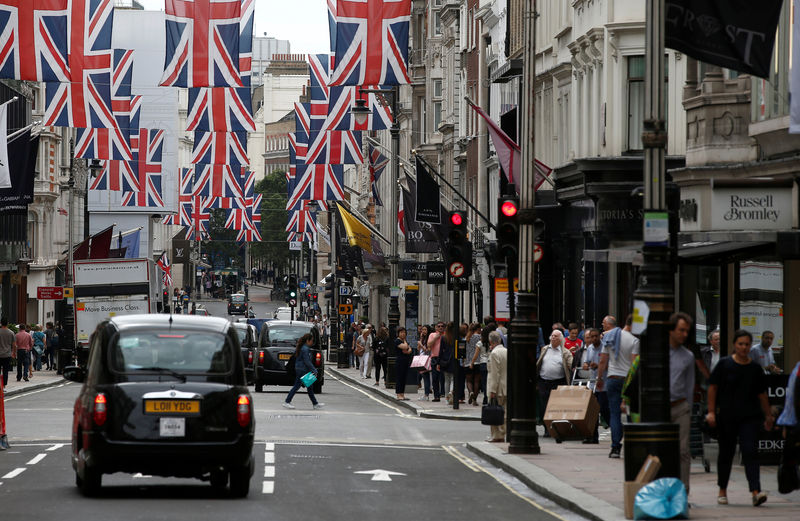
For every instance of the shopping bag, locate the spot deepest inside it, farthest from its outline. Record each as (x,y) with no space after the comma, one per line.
(664,498)
(422,362)
(308,379)
(492,413)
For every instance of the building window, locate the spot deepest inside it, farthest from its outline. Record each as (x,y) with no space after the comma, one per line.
(437,115)
(437,88)
(636,93)
(437,23)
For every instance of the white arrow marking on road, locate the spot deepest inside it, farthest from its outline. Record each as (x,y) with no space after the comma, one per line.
(380,475)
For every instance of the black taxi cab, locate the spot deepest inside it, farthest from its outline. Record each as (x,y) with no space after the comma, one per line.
(276,346)
(237,304)
(167,396)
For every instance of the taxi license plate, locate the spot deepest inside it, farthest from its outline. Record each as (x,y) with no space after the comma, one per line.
(284,356)
(191,407)
(172,427)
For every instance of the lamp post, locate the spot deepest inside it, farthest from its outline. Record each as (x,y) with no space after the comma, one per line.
(361,112)
(69,318)
(655,434)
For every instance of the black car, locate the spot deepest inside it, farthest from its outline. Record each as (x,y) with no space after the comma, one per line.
(237,304)
(276,345)
(248,338)
(167,396)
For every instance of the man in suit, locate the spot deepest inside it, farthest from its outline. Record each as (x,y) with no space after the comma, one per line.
(496,381)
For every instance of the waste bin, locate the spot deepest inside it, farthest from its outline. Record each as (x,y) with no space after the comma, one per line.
(64,359)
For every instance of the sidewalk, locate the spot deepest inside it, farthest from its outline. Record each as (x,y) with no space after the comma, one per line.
(583,479)
(424,409)
(40,380)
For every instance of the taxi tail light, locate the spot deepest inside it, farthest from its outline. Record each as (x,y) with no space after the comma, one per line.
(317,359)
(99,413)
(261,358)
(243,410)
(249,358)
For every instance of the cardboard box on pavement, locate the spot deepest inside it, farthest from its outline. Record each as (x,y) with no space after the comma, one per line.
(646,474)
(575,404)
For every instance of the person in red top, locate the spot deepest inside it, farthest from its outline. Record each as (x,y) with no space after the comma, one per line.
(22,352)
(434,343)
(572,342)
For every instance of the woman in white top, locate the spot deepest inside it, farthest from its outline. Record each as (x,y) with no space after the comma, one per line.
(365,341)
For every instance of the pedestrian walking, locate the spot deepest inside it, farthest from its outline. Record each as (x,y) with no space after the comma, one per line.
(471,367)
(422,349)
(7,349)
(363,345)
(554,368)
(763,355)
(591,362)
(381,354)
(403,353)
(681,386)
(22,352)
(619,349)
(39,347)
(446,362)
(737,407)
(302,366)
(434,345)
(497,381)
(49,357)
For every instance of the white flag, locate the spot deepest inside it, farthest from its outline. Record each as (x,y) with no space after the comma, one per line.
(794,82)
(5,174)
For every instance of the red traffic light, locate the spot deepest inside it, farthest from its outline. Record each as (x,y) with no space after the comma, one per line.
(509,208)
(456,219)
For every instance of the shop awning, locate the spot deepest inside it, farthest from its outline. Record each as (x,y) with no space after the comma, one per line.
(723,249)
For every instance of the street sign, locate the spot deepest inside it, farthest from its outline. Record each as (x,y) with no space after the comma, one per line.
(345,291)
(364,290)
(538,253)
(436,273)
(457,283)
(345,309)
(68,293)
(456,269)
(49,292)
(303,284)
(292,303)
(295,245)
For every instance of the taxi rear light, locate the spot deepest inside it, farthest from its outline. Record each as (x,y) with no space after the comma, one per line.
(318,359)
(261,358)
(243,410)
(99,413)
(249,357)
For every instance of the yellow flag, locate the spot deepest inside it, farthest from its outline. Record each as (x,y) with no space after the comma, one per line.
(357,234)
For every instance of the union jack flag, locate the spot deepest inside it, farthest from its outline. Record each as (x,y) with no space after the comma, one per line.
(256,211)
(371,42)
(246,24)
(344,98)
(335,148)
(302,119)
(302,221)
(202,43)
(317,183)
(377,164)
(112,143)
(163,263)
(199,216)
(332,23)
(220,109)
(249,235)
(220,148)
(136,113)
(116,176)
(319,69)
(147,162)
(297,155)
(217,181)
(185,185)
(35,40)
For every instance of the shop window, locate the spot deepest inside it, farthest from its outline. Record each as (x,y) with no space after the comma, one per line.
(761,302)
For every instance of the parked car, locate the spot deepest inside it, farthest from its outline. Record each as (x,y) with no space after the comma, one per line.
(276,345)
(163,395)
(283,313)
(237,304)
(201,310)
(248,338)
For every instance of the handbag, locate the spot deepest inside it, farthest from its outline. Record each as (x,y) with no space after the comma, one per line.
(308,379)
(359,350)
(423,362)
(492,413)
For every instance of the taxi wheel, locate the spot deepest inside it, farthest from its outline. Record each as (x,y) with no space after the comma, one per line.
(91,482)
(240,482)
(259,387)
(219,479)
(318,388)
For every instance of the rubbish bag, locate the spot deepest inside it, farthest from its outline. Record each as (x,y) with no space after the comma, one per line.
(664,498)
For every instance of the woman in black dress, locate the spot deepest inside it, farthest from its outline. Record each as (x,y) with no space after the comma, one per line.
(738,405)
(404,353)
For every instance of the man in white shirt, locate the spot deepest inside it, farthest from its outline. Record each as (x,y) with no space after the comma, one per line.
(553,367)
(761,353)
(619,349)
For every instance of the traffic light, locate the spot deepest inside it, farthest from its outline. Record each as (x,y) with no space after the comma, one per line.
(459,249)
(291,290)
(329,289)
(508,227)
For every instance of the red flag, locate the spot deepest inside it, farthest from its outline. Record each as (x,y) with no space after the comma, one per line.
(100,244)
(508,152)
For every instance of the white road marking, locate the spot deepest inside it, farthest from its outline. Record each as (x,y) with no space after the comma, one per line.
(269,471)
(14,473)
(360,445)
(140,475)
(380,474)
(36,392)
(268,487)
(368,395)
(269,457)
(269,446)
(56,446)
(36,459)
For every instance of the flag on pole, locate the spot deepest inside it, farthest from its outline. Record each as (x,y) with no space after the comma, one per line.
(357,234)
(163,263)
(35,36)
(508,152)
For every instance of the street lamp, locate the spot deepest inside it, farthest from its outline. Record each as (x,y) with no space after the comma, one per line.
(69,319)
(361,113)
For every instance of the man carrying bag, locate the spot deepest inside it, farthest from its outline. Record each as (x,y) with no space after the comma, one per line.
(496,388)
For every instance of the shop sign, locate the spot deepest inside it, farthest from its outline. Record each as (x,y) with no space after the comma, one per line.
(751,209)
(621,216)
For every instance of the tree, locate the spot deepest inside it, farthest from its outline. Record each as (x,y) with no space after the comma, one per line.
(274,249)
(222,249)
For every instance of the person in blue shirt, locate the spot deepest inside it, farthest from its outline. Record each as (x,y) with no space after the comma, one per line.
(303,365)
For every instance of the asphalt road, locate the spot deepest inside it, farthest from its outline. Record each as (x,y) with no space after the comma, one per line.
(359,457)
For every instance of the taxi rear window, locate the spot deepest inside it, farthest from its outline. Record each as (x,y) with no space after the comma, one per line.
(238,299)
(181,351)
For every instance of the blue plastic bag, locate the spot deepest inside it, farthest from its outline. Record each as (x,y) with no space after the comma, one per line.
(664,498)
(308,379)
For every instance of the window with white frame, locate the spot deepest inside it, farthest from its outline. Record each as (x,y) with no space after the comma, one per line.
(437,23)
(636,93)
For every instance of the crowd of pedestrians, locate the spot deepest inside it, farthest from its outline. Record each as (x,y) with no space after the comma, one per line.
(30,348)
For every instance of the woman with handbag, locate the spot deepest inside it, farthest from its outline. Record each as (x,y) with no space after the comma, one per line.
(381,354)
(302,366)
(363,345)
(403,354)
(496,385)
(425,374)
(737,405)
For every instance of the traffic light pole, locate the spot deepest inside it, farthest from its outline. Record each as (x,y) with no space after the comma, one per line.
(523,335)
